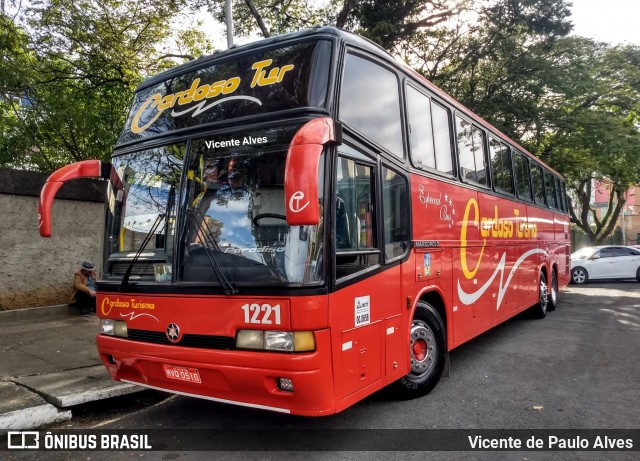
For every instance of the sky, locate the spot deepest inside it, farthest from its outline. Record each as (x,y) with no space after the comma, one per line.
(612,21)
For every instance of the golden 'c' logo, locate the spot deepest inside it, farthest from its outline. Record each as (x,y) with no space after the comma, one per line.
(105,308)
(469,274)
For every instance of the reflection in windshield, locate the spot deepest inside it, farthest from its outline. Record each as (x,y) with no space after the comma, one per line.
(238,194)
(149,184)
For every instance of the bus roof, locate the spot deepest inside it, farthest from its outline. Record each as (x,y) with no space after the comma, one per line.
(348,38)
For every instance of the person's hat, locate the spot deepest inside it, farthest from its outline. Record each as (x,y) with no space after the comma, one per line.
(88,266)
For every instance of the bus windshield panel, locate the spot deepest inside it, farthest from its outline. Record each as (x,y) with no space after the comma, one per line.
(232,212)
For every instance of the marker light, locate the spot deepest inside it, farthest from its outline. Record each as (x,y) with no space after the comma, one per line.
(281,341)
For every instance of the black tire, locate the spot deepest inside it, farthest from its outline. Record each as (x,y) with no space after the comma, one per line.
(539,311)
(638,274)
(579,275)
(553,292)
(428,350)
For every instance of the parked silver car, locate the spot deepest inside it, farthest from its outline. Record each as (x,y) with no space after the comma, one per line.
(605,262)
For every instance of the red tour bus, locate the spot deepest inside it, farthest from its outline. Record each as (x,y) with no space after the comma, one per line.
(295,224)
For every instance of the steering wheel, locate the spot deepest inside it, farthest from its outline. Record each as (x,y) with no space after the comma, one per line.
(260,216)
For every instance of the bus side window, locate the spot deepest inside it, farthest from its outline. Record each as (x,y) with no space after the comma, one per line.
(500,166)
(559,198)
(355,226)
(429,133)
(395,214)
(536,184)
(521,169)
(549,187)
(376,117)
(471,152)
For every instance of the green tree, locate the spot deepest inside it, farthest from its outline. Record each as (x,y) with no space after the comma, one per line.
(85,59)
(592,129)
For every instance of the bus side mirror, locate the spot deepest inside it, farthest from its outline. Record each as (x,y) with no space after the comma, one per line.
(301,171)
(84,169)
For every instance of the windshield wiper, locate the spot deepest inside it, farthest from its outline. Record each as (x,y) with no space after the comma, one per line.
(147,238)
(209,243)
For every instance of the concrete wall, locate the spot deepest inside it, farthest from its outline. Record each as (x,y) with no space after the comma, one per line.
(36,271)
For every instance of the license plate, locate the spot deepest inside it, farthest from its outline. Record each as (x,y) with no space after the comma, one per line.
(190,375)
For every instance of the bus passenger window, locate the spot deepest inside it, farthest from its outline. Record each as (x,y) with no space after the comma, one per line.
(395,214)
(420,131)
(521,169)
(536,184)
(549,187)
(559,201)
(355,226)
(370,102)
(471,152)
(429,133)
(442,138)
(500,166)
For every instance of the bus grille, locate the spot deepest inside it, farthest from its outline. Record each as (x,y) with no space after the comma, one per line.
(139,268)
(199,341)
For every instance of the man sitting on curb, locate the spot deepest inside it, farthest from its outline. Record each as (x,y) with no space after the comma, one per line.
(84,293)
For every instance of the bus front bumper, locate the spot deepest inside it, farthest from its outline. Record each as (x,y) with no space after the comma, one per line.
(246,378)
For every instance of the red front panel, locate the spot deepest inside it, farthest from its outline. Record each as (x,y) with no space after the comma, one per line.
(234,376)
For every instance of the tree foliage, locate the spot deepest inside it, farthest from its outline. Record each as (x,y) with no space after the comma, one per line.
(74,75)
(65,85)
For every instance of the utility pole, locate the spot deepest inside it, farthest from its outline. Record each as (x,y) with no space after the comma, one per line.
(229,18)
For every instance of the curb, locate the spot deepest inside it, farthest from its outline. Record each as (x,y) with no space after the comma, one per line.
(22,409)
(35,313)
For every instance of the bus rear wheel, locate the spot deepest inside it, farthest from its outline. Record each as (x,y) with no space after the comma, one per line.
(539,311)
(428,352)
(553,292)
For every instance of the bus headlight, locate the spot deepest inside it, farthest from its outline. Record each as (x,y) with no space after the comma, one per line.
(113,327)
(278,341)
(250,339)
(282,341)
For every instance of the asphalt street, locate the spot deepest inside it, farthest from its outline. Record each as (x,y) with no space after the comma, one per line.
(575,369)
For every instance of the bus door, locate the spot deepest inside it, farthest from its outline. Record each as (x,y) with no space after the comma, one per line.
(365,307)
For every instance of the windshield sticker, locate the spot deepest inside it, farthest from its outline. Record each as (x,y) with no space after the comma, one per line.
(156,104)
(246,141)
(363,310)
(162,272)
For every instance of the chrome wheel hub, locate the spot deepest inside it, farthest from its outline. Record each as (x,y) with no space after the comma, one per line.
(423,348)
(544,295)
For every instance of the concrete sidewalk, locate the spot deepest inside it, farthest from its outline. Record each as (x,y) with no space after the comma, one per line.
(49,364)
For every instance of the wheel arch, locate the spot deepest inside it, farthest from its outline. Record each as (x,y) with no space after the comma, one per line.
(434,297)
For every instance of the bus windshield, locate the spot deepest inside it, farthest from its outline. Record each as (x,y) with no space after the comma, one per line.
(236,213)
(231,213)
(142,202)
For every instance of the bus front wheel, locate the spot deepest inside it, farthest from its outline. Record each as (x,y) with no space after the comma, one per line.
(428,352)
